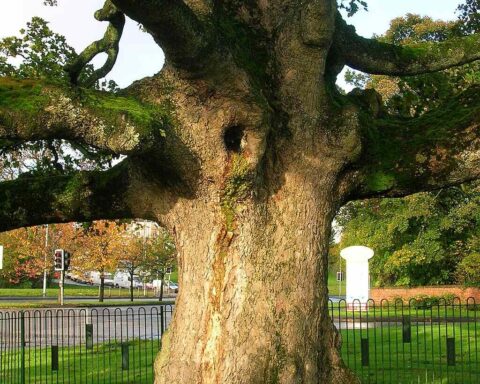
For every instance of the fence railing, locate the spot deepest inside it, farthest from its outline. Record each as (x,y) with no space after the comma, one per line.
(419,341)
(81,345)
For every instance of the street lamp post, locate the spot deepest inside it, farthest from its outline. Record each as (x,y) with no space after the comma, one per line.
(44,293)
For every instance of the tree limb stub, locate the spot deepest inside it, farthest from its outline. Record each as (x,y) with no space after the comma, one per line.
(439,149)
(174,26)
(109,44)
(84,196)
(33,110)
(374,57)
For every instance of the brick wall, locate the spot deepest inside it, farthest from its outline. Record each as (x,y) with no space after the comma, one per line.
(463,293)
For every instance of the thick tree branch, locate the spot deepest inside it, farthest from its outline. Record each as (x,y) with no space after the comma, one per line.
(174,26)
(109,44)
(83,196)
(31,110)
(438,149)
(374,57)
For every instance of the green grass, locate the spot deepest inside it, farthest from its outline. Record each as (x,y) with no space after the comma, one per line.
(174,276)
(334,289)
(423,360)
(80,304)
(72,290)
(396,313)
(102,364)
(51,292)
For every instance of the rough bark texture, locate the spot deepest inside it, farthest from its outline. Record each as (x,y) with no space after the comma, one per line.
(252,153)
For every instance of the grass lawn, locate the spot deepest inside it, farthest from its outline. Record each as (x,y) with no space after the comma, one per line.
(423,360)
(51,292)
(100,365)
(334,288)
(397,313)
(73,290)
(10,305)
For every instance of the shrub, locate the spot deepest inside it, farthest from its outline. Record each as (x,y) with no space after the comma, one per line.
(467,270)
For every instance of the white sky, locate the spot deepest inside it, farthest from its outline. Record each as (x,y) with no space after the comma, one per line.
(140,56)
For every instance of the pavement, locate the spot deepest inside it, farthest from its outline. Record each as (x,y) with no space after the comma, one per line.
(71,326)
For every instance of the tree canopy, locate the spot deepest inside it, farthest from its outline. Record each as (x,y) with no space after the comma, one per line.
(422,239)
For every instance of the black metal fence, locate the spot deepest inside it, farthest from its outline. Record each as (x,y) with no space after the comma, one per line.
(420,341)
(99,345)
(428,340)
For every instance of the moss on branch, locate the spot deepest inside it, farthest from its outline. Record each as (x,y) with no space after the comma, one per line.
(440,148)
(35,110)
(83,196)
(375,57)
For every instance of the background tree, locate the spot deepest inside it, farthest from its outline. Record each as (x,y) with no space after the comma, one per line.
(23,256)
(25,253)
(99,248)
(420,239)
(160,254)
(131,256)
(244,149)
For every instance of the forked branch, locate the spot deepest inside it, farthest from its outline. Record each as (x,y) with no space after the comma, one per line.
(109,44)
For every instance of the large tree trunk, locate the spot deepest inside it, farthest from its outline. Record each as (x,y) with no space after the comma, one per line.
(253,304)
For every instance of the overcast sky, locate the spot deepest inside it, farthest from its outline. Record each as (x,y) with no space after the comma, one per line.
(140,56)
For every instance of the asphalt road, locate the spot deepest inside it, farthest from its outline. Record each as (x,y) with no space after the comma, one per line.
(72,326)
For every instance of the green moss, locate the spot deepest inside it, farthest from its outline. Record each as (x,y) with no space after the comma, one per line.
(397,149)
(24,96)
(115,109)
(71,196)
(244,43)
(237,186)
(379,181)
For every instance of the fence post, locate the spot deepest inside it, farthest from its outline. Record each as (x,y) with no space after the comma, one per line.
(406,329)
(125,357)
(450,351)
(365,352)
(22,347)
(162,324)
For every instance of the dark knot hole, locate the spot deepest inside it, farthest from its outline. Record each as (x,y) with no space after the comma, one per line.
(233,138)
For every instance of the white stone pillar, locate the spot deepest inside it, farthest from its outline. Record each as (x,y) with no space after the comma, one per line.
(358,277)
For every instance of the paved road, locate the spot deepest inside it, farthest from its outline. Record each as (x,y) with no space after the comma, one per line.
(70,326)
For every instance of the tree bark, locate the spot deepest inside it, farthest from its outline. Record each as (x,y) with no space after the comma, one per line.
(101,296)
(253,305)
(131,287)
(160,296)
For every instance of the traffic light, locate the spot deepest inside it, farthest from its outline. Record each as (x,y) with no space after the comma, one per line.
(66,260)
(59,258)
